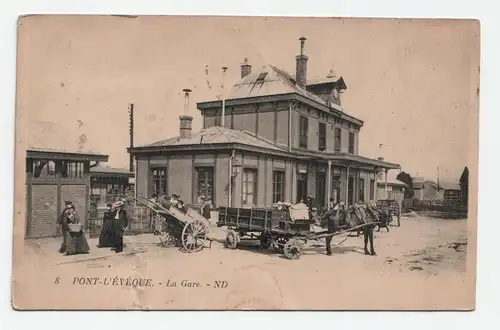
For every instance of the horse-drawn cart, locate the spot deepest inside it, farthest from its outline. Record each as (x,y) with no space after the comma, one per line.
(286,230)
(189,229)
(393,207)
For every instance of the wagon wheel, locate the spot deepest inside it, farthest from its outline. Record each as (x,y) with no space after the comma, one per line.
(265,241)
(279,244)
(193,235)
(293,249)
(167,239)
(231,239)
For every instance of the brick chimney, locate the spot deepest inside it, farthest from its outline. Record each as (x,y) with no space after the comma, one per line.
(301,69)
(381,174)
(246,68)
(186,121)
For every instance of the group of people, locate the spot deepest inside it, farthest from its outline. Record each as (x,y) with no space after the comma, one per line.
(115,221)
(157,201)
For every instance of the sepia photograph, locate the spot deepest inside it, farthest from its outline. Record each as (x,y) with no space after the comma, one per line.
(245,163)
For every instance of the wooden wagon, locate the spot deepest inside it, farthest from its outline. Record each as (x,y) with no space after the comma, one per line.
(279,229)
(190,229)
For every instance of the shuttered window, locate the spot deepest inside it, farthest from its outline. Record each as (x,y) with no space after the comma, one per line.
(304,129)
(322,137)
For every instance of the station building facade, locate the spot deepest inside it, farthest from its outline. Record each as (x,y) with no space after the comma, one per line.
(276,137)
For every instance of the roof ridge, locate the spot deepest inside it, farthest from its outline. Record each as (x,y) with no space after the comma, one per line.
(257,137)
(222,131)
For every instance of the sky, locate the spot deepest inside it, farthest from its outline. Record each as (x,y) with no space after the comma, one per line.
(414,83)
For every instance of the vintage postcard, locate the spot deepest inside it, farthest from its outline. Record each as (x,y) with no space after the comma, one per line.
(231,163)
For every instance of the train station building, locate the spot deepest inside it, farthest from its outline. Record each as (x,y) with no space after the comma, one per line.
(276,137)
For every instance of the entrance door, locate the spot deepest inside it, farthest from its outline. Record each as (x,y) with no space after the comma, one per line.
(320,189)
(336,188)
(301,187)
(350,191)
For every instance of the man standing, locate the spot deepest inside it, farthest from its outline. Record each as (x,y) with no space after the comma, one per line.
(153,201)
(333,217)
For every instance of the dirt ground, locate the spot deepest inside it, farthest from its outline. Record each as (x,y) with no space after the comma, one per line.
(420,265)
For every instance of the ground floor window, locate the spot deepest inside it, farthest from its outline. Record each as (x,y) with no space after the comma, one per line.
(249,196)
(205,184)
(301,187)
(159,175)
(361,189)
(278,186)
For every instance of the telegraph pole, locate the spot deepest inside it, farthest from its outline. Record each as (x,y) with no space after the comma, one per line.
(131,134)
(223,121)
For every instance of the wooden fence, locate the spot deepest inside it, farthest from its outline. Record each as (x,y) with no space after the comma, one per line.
(444,206)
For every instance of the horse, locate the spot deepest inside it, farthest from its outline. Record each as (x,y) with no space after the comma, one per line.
(383,215)
(356,215)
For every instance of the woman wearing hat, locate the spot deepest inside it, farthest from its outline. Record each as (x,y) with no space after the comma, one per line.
(119,223)
(74,240)
(106,237)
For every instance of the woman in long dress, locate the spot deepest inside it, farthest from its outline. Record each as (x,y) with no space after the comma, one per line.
(106,238)
(74,238)
(119,223)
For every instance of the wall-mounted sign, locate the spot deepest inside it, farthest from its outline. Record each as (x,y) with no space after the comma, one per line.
(302,168)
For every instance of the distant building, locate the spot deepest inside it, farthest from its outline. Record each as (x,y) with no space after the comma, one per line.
(58,170)
(426,189)
(107,184)
(281,138)
(451,192)
(53,177)
(394,189)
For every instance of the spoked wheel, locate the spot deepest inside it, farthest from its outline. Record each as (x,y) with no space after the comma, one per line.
(231,239)
(265,241)
(167,239)
(293,249)
(279,244)
(193,236)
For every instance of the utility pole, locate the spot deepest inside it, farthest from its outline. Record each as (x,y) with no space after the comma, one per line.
(131,134)
(223,119)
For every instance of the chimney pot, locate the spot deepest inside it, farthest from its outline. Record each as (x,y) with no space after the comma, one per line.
(246,68)
(301,66)
(186,121)
(380,158)
(186,126)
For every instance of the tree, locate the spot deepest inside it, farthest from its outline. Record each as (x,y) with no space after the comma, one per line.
(464,185)
(406,178)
